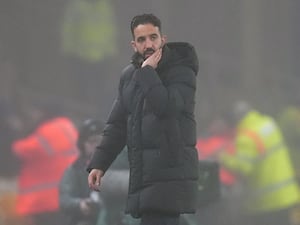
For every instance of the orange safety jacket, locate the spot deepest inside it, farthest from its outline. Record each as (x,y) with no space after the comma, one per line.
(44,156)
(210,147)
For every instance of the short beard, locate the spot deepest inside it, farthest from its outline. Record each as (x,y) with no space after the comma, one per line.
(149,50)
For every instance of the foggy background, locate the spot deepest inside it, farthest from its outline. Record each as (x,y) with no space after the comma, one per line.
(71,55)
(247,50)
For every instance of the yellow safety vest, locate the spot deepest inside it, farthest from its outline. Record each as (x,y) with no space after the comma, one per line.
(89,30)
(263,159)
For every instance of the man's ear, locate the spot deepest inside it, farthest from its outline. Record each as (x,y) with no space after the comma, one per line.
(133,46)
(163,39)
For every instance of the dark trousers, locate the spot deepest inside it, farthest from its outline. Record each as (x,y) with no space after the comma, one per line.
(160,219)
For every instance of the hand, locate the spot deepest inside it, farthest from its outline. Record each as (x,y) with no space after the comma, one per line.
(153,59)
(94,179)
(85,207)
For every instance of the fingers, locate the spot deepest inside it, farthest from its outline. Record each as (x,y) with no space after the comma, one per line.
(157,54)
(90,181)
(154,59)
(97,183)
(94,180)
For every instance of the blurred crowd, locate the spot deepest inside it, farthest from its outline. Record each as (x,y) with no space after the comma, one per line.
(44,153)
(43,178)
(259,171)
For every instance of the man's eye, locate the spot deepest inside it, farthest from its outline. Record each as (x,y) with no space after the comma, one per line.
(140,40)
(153,37)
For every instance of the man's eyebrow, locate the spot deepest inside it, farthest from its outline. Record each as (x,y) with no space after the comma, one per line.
(141,38)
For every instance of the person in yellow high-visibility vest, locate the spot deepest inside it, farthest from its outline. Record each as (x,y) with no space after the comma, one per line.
(264,166)
(89,43)
(89,30)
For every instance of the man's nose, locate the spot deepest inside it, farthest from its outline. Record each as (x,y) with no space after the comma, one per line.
(148,43)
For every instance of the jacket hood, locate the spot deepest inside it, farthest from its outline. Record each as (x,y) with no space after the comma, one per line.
(179,53)
(174,53)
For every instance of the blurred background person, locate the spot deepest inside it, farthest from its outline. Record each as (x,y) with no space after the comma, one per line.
(216,138)
(44,153)
(262,164)
(81,205)
(89,43)
(78,201)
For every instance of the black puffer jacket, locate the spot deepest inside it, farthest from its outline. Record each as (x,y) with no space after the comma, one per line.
(154,116)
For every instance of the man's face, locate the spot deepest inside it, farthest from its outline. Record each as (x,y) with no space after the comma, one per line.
(147,39)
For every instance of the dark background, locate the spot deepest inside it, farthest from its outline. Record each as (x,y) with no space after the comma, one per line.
(247,50)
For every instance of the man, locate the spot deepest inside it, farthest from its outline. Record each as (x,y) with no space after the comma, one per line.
(154,116)
(263,163)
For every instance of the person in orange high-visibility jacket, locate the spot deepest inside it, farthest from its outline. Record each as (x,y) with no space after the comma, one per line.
(210,147)
(262,161)
(44,156)
(218,138)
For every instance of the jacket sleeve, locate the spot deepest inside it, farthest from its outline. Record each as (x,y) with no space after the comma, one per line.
(113,139)
(28,147)
(171,97)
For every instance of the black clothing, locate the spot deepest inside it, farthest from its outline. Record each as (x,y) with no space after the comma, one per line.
(73,188)
(154,116)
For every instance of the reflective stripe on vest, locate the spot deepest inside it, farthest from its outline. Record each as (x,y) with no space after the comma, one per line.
(270,151)
(50,151)
(46,146)
(257,139)
(267,152)
(274,187)
(264,152)
(67,132)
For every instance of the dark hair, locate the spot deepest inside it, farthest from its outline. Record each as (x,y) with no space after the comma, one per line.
(88,128)
(144,19)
